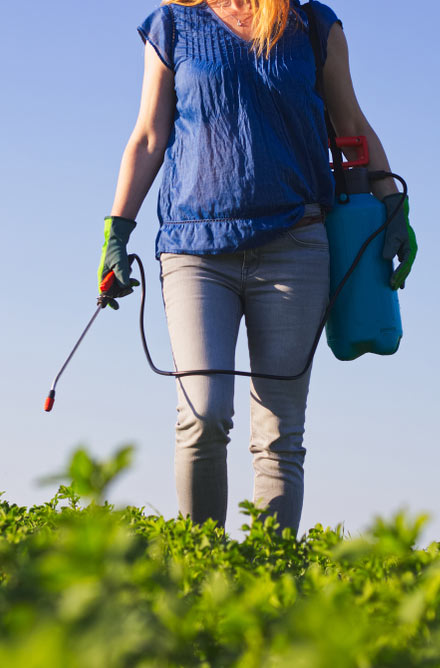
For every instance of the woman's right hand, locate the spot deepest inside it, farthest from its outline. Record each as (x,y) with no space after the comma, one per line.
(114,269)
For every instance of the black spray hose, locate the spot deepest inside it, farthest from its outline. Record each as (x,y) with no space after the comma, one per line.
(375,176)
(103,301)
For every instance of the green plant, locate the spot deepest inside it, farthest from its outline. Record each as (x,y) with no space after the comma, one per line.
(99,587)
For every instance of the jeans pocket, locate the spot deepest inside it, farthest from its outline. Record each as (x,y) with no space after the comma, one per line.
(309,236)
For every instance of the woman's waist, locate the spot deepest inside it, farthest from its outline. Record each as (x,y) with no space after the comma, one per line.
(219,235)
(313,213)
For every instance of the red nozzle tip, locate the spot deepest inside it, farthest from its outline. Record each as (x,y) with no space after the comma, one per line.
(50,400)
(48,404)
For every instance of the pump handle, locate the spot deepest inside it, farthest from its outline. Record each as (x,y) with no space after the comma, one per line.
(360,144)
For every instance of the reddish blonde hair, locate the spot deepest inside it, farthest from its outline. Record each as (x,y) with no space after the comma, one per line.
(269,20)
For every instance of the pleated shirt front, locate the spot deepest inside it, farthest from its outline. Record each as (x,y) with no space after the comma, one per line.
(248,148)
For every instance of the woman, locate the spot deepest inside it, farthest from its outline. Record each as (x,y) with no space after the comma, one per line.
(229,106)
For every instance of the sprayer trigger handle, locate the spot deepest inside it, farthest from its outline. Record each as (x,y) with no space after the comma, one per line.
(107,282)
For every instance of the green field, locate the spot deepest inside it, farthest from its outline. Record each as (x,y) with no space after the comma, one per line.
(84,585)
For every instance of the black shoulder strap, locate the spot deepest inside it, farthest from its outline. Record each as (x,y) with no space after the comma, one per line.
(314,41)
(341,187)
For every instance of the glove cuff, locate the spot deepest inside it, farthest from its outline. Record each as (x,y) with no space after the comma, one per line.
(119,227)
(121,218)
(120,222)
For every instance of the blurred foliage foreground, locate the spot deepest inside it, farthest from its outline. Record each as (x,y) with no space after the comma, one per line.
(94,587)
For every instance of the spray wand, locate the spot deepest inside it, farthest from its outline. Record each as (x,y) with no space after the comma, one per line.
(50,399)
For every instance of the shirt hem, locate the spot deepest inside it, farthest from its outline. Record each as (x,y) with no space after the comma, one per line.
(203,236)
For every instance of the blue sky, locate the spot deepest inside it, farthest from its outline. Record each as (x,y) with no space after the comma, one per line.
(71,76)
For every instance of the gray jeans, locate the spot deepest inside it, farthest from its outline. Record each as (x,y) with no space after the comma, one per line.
(281,288)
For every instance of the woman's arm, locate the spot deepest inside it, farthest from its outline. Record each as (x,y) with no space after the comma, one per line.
(345,112)
(145,149)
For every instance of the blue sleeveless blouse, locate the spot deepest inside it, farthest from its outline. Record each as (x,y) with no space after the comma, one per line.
(248,149)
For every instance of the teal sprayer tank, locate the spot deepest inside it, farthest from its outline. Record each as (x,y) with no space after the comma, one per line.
(366,315)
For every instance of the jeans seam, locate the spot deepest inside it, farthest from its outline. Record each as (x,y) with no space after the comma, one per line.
(243,274)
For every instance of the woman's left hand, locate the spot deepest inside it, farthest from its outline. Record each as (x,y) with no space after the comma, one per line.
(400,240)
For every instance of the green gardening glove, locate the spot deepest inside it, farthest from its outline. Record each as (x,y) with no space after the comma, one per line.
(400,240)
(114,259)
